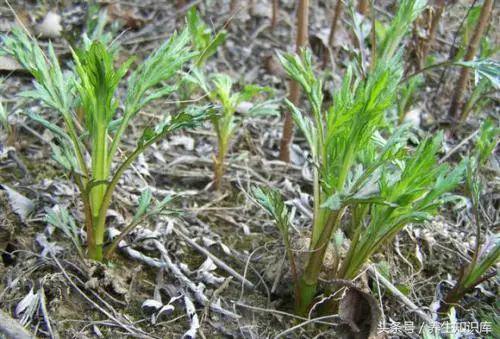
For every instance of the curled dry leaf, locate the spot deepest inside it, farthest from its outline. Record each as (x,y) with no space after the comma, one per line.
(129,16)
(360,311)
(21,205)
(273,66)
(150,306)
(194,323)
(182,140)
(244,107)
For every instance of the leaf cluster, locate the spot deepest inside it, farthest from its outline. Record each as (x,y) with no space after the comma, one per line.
(384,183)
(91,87)
(204,41)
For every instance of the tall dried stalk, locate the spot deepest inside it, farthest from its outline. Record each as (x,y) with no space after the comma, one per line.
(436,17)
(363,6)
(274,18)
(336,15)
(233,5)
(294,95)
(481,25)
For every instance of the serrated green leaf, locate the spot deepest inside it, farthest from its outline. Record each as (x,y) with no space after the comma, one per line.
(305,125)
(144,203)
(273,203)
(484,68)
(64,222)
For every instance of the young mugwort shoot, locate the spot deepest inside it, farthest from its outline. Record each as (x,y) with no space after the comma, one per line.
(89,150)
(220,90)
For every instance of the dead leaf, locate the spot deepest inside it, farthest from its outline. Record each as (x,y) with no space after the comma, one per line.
(360,311)
(244,107)
(9,64)
(130,17)
(50,27)
(150,306)
(413,117)
(21,205)
(273,66)
(182,140)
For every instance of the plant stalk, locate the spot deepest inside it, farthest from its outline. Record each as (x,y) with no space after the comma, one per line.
(219,168)
(363,6)
(438,12)
(274,18)
(333,28)
(100,174)
(309,279)
(294,96)
(471,53)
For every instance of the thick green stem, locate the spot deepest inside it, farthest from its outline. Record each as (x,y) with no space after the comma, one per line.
(309,279)
(219,166)
(307,294)
(106,201)
(100,174)
(317,228)
(95,251)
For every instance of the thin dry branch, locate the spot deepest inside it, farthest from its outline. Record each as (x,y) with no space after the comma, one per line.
(404,299)
(481,25)
(294,96)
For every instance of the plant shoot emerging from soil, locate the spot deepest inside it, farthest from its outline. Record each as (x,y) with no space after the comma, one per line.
(219,89)
(92,88)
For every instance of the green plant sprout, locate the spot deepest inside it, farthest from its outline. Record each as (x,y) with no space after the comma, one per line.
(4,119)
(382,184)
(390,38)
(204,41)
(63,221)
(91,87)
(97,28)
(484,85)
(219,88)
(486,254)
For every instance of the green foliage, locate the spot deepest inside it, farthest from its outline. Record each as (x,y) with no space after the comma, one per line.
(486,253)
(52,88)
(205,42)
(484,69)
(91,88)
(407,95)
(219,88)
(478,99)
(488,139)
(487,48)
(64,222)
(383,184)
(97,28)
(4,118)
(408,11)
(273,203)
(411,193)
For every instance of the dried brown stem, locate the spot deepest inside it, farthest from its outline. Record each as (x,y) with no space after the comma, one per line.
(481,25)
(436,17)
(336,15)
(363,6)
(232,5)
(294,96)
(274,18)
